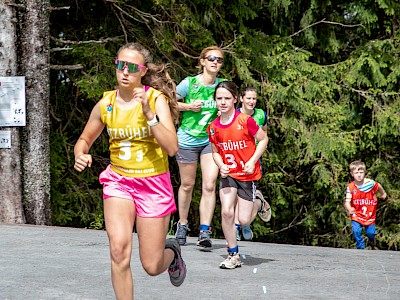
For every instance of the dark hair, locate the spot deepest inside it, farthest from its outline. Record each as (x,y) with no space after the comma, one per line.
(243,93)
(228,85)
(157,77)
(247,89)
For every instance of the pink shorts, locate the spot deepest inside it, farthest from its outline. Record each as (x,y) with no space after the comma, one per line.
(153,196)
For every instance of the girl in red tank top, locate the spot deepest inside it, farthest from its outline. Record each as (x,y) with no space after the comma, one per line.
(233,136)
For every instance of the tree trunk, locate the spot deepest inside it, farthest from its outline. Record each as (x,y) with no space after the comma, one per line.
(34,57)
(11,210)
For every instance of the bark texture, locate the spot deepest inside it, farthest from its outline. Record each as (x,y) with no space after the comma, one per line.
(11,210)
(34,56)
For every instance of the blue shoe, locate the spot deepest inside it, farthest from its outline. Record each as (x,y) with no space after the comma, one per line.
(247,233)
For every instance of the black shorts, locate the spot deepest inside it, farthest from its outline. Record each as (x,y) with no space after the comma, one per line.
(245,189)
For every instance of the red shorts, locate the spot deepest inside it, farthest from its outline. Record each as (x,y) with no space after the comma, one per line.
(153,196)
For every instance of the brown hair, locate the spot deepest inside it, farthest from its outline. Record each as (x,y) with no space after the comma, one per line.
(356,165)
(243,93)
(247,89)
(228,85)
(157,77)
(203,54)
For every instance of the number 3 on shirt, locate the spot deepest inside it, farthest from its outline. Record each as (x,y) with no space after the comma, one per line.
(231,162)
(125,152)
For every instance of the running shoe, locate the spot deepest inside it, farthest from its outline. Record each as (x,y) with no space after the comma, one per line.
(181,232)
(265,212)
(372,244)
(177,269)
(231,262)
(204,239)
(247,233)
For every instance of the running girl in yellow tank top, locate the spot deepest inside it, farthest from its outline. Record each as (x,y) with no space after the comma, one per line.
(137,188)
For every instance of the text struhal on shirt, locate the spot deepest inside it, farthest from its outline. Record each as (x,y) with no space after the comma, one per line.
(365,202)
(128,132)
(232,145)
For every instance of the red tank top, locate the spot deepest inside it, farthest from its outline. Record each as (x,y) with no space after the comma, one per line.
(236,144)
(364,203)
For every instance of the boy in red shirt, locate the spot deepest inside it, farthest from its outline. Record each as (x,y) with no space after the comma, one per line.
(233,136)
(361,203)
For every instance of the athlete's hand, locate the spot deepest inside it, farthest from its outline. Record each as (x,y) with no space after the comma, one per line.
(249,167)
(82,161)
(352,210)
(196,105)
(224,171)
(139,94)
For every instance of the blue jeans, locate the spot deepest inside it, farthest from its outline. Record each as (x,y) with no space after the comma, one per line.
(357,228)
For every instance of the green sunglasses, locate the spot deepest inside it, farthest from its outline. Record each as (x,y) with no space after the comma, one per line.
(132,68)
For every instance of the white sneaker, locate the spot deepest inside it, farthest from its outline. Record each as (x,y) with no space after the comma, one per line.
(231,262)
(265,212)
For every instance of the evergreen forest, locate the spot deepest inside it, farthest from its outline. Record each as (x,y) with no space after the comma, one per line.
(327,72)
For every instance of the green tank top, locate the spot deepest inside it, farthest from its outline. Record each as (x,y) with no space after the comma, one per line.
(196,123)
(259,116)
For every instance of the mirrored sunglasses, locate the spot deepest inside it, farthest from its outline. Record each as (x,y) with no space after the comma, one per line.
(219,60)
(132,68)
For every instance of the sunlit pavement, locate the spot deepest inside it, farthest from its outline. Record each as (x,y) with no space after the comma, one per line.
(38,262)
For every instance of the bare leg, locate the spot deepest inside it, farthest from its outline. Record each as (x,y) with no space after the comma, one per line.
(237,214)
(256,206)
(119,215)
(151,234)
(187,173)
(246,209)
(209,172)
(228,198)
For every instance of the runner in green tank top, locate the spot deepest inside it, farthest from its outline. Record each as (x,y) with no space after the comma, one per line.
(195,123)
(198,107)
(248,101)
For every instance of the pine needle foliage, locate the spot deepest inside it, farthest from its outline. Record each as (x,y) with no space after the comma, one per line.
(327,73)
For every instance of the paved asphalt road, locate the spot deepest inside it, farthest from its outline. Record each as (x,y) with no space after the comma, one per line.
(38,262)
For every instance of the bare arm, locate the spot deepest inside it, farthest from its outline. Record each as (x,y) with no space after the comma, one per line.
(223,168)
(347,204)
(382,192)
(164,131)
(90,133)
(262,138)
(194,106)
(265,128)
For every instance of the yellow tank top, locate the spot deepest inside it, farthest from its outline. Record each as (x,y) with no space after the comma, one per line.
(134,152)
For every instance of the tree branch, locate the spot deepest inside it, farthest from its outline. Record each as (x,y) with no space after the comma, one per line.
(326,22)
(52,8)
(60,49)
(11,3)
(66,67)
(101,41)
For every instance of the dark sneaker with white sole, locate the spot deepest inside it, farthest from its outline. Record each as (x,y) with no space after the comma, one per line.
(204,239)
(177,269)
(181,233)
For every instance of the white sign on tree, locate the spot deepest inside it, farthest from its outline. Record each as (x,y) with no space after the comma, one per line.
(12,101)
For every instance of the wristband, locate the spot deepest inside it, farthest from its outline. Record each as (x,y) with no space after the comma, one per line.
(153,122)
